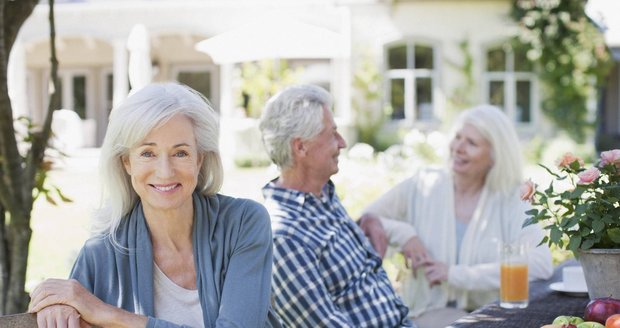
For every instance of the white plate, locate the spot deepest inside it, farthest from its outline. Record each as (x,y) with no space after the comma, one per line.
(559,286)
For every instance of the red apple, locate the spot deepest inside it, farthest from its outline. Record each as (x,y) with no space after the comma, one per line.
(600,309)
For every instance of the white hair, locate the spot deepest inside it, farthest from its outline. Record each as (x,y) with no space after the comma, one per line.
(499,131)
(295,112)
(130,122)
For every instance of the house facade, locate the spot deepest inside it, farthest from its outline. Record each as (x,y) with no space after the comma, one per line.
(433,57)
(606,13)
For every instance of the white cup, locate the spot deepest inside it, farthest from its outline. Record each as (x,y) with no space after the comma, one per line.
(573,278)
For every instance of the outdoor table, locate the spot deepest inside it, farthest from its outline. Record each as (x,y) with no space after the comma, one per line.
(544,306)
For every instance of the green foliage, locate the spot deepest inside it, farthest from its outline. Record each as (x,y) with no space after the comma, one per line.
(463,96)
(24,132)
(535,149)
(369,116)
(580,207)
(261,80)
(252,161)
(571,55)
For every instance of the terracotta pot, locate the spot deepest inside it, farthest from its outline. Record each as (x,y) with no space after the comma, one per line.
(601,268)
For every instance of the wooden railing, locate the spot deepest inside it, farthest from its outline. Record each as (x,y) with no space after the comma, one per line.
(22,320)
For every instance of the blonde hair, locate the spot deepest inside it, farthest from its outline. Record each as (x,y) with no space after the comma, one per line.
(507,170)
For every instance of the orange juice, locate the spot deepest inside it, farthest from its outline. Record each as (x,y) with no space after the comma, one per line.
(513,283)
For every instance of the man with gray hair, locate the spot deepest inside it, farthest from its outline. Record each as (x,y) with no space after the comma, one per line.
(325,272)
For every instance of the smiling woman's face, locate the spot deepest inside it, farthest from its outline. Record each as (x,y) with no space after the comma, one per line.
(164,167)
(470,153)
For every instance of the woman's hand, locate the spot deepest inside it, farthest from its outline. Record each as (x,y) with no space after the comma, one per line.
(60,316)
(91,309)
(415,254)
(436,272)
(68,292)
(373,229)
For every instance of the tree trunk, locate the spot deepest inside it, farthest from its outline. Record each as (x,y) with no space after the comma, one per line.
(17,299)
(17,172)
(4,261)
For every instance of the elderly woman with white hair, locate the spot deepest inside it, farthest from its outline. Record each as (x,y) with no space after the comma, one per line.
(169,250)
(450,222)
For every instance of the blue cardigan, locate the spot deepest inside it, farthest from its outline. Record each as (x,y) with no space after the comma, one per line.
(232,254)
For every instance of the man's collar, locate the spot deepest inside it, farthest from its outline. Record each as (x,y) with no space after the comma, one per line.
(272,188)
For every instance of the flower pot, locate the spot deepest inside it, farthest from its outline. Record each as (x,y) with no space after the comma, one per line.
(601,268)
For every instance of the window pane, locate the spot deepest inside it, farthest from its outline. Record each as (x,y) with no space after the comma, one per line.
(397,98)
(79,95)
(199,81)
(424,100)
(522,64)
(496,93)
(523,110)
(496,60)
(423,57)
(397,57)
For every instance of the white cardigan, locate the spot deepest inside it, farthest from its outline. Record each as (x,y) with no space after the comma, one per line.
(423,206)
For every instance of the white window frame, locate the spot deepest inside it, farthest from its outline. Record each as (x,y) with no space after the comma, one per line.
(66,77)
(510,79)
(410,75)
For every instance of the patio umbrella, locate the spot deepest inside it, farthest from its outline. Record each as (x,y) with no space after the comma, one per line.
(139,46)
(274,37)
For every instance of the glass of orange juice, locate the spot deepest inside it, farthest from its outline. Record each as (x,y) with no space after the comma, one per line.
(513,291)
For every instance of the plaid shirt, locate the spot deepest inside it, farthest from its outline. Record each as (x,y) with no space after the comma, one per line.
(326,273)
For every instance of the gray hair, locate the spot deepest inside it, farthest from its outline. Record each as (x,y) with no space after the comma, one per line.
(499,131)
(295,112)
(130,122)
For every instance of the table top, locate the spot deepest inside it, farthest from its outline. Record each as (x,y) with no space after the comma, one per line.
(544,306)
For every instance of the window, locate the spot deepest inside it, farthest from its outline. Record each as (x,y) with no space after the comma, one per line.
(199,81)
(411,80)
(200,78)
(75,92)
(510,82)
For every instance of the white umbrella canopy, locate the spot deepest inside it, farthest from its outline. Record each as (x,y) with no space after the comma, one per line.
(139,68)
(274,37)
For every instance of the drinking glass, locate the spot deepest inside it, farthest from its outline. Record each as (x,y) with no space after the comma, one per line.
(513,292)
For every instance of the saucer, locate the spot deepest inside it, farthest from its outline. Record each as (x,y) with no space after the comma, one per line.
(560,287)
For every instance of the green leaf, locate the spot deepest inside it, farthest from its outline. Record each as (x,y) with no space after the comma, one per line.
(532,212)
(587,244)
(577,192)
(529,221)
(575,166)
(50,199)
(598,226)
(614,235)
(62,196)
(573,243)
(555,234)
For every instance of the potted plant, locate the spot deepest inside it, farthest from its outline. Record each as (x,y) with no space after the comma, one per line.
(581,211)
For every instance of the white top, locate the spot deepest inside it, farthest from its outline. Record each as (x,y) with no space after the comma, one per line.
(423,206)
(174,303)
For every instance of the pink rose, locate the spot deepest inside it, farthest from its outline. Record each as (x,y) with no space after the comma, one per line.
(528,189)
(568,159)
(589,175)
(610,157)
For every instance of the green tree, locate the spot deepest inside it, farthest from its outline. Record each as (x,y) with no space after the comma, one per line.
(367,86)
(261,80)
(571,55)
(22,173)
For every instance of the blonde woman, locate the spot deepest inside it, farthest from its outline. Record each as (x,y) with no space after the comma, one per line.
(450,222)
